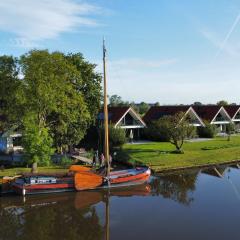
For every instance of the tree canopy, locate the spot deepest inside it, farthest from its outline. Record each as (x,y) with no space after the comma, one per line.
(222,103)
(59,92)
(9,87)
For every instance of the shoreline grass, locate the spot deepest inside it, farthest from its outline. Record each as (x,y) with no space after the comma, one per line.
(21,170)
(159,155)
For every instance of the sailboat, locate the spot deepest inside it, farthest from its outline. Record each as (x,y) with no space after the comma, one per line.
(85,180)
(82,178)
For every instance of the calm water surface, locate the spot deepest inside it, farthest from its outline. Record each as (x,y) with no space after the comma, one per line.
(185,205)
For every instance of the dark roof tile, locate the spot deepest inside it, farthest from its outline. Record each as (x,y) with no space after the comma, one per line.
(206,112)
(156,112)
(114,114)
(232,110)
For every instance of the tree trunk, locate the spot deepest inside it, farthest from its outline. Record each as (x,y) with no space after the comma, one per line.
(34,168)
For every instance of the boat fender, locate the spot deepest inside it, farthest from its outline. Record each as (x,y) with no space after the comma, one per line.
(106,180)
(23,191)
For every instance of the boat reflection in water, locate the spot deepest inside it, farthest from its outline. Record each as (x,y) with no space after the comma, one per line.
(61,216)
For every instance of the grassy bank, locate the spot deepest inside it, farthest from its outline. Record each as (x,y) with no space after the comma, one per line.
(160,156)
(18,171)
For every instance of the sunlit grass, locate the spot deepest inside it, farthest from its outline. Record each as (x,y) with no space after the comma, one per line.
(160,157)
(19,171)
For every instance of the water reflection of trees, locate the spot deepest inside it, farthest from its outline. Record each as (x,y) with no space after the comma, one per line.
(178,187)
(56,220)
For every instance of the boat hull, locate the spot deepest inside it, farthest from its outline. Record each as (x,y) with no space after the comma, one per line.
(122,178)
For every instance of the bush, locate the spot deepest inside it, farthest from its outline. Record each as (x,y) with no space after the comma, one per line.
(157,131)
(65,161)
(209,131)
(117,137)
(37,143)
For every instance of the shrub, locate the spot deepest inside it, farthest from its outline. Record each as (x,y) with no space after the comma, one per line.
(117,137)
(37,143)
(157,131)
(209,131)
(65,161)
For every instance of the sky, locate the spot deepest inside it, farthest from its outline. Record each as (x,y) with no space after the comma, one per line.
(166,51)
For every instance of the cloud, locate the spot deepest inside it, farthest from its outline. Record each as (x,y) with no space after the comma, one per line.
(32,21)
(136,63)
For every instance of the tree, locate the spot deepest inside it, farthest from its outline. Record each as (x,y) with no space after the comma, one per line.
(37,142)
(222,103)
(53,93)
(197,103)
(90,86)
(115,101)
(230,129)
(178,129)
(143,108)
(9,92)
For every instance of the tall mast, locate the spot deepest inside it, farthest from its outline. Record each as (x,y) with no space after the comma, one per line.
(106,139)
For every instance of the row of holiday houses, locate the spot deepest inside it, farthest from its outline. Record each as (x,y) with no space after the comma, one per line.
(127,118)
(131,121)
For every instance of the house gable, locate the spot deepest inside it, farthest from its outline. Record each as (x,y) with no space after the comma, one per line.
(158,112)
(130,120)
(222,117)
(124,117)
(193,118)
(236,117)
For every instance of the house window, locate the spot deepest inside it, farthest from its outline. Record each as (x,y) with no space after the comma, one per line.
(220,118)
(128,120)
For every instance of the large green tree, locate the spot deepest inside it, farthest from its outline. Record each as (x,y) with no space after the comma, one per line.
(60,93)
(10,85)
(90,85)
(54,94)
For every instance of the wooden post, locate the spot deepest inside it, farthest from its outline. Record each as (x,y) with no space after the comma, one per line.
(106,139)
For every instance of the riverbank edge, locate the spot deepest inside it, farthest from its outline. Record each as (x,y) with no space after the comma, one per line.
(155,169)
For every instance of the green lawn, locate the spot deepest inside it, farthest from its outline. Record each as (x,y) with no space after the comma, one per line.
(18,171)
(160,157)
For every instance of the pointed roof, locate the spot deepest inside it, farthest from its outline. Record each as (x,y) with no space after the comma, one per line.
(116,114)
(156,112)
(207,112)
(232,110)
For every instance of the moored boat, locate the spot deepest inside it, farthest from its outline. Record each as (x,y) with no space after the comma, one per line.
(91,180)
(36,184)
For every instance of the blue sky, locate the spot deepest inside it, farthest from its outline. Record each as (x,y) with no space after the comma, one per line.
(169,51)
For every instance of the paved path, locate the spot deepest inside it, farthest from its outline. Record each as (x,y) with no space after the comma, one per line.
(199,139)
(82,159)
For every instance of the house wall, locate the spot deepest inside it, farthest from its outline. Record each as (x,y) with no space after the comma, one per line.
(6,144)
(3,144)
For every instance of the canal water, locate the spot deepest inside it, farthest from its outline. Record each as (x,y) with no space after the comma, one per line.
(201,204)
